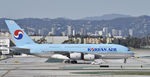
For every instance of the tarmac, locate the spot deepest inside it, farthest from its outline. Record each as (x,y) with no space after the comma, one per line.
(30,66)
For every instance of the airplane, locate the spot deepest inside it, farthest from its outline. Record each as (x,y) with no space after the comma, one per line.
(70,53)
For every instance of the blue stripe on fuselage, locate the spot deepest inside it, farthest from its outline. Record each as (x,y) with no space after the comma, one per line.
(77,48)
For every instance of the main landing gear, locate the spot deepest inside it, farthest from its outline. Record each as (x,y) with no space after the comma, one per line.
(125,60)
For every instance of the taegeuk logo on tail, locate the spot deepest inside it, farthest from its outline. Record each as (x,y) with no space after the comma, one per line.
(18,34)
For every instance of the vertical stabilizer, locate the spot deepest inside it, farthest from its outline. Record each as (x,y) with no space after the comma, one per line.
(18,34)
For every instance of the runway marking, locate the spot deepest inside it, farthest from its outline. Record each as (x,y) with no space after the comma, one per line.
(9,71)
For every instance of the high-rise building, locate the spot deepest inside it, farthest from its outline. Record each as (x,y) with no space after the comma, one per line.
(84,32)
(53,31)
(120,33)
(39,32)
(105,31)
(130,32)
(81,32)
(73,33)
(69,30)
(114,32)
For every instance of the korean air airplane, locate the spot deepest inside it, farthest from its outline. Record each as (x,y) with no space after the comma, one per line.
(68,52)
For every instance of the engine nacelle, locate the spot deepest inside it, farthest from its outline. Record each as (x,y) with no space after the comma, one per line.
(59,56)
(75,56)
(89,57)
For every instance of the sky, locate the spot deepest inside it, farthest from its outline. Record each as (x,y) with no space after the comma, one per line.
(73,9)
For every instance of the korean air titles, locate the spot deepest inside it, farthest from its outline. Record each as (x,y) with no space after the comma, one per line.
(102,49)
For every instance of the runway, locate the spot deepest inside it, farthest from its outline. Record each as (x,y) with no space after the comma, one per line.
(60,70)
(30,66)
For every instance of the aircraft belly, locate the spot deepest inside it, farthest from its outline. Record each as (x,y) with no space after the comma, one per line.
(104,55)
(116,55)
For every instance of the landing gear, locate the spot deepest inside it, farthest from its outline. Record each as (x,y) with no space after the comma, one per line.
(70,61)
(66,61)
(125,60)
(74,62)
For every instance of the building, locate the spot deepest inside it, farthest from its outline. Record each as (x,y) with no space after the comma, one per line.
(114,32)
(69,30)
(100,33)
(6,34)
(83,32)
(87,40)
(53,31)
(130,32)
(118,37)
(109,40)
(77,40)
(120,33)
(105,31)
(39,32)
(4,45)
(51,39)
(73,33)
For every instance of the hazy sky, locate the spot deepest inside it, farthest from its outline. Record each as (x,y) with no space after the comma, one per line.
(74,9)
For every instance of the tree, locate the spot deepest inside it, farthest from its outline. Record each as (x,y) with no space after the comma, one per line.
(41,40)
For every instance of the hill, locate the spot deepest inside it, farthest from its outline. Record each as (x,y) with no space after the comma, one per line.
(140,26)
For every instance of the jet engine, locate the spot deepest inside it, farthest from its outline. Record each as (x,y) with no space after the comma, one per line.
(75,56)
(59,56)
(89,57)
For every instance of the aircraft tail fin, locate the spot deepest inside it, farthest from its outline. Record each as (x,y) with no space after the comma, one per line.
(18,34)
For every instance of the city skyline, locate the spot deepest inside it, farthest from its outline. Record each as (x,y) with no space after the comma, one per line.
(116,27)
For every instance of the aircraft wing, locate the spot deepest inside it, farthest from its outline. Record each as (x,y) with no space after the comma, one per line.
(21,50)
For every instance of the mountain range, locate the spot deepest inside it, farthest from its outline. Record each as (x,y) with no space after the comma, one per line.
(106,17)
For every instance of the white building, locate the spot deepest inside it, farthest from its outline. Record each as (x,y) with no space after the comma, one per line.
(118,37)
(73,33)
(130,32)
(69,30)
(52,39)
(4,45)
(100,33)
(120,33)
(52,31)
(105,31)
(114,32)
(82,31)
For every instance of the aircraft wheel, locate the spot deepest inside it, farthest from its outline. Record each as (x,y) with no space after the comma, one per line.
(67,61)
(74,62)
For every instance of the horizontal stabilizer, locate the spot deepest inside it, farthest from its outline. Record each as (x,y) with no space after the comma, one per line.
(21,50)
